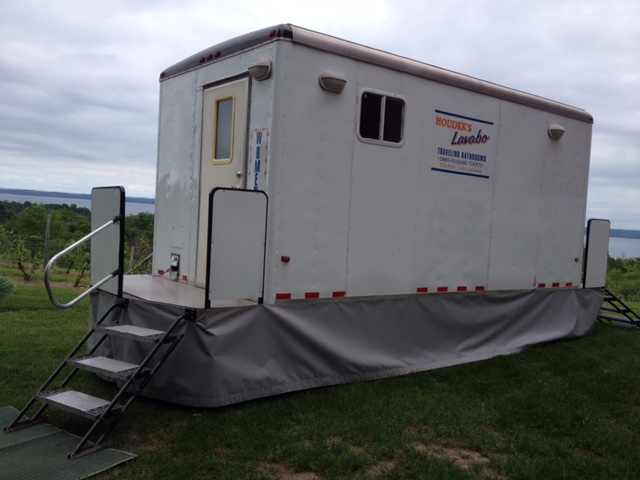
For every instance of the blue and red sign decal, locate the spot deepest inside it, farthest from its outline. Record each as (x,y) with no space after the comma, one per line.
(462,144)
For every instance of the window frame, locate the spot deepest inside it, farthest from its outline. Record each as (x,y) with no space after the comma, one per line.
(382,112)
(216,130)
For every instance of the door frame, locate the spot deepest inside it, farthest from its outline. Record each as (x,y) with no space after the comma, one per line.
(219,173)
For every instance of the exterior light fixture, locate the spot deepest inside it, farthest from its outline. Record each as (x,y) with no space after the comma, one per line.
(260,70)
(555,131)
(332,81)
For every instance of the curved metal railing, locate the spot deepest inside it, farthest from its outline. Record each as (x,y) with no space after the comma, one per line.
(69,249)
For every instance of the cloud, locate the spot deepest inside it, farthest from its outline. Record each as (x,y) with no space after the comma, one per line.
(79,79)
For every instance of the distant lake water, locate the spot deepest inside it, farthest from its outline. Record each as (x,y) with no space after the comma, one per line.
(624,247)
(131,208)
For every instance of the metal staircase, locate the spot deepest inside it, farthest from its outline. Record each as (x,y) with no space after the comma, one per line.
(107,253)
(104,414)
(615,310)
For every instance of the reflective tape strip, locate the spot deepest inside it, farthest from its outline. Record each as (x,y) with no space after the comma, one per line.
(555,285)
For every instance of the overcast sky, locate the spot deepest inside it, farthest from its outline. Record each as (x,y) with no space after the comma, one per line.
(79,78)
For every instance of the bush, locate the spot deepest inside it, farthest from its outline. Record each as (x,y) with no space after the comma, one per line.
(623,278)
(6,287)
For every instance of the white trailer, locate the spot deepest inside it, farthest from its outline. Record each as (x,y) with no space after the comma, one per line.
(331,213)
(400,179)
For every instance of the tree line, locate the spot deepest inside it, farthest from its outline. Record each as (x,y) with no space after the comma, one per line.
(26,245)
(623,278)
(31,233)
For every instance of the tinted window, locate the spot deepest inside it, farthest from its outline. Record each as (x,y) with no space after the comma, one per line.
(381,117)
(224,128)
(370,109)
(393,113)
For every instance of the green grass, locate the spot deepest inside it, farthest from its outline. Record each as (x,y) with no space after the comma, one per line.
(565,410)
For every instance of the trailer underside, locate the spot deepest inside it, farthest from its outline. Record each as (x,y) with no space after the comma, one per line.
(238,351)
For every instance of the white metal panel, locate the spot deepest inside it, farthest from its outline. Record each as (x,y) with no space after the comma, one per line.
(106,204)
(563,202)
(310,174)
(177,175)
(456,190)
(595,269)
(384,195)
(517,200)
(237,242)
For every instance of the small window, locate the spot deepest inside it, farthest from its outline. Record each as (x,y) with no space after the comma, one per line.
(381,117)
(223,135)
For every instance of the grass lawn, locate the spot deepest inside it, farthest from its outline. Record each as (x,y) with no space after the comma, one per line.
(565,410)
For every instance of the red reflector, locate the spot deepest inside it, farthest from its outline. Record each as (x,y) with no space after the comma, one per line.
(201,60)
(461,289)
(283,296)
(217,54)
(184,278)
(422,290)
(285,259)
(479,288)
(162,75)
(339,294)
(555,284)
(542,285)
(569,284)
(272,33)
(443,289)
(209,57)
(160,272)
(312,295)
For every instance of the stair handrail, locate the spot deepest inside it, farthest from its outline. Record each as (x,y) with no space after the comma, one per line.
(69,249)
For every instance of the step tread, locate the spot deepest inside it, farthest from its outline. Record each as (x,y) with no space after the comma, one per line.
(77,402)
(132,331)
(103,364)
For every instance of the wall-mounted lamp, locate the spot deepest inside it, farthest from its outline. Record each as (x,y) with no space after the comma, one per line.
(332,81)
(260,70)
(555,131)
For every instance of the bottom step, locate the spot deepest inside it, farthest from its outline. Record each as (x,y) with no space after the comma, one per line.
(77,402)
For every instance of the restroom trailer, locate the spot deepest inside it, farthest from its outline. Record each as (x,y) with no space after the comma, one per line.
(328,213)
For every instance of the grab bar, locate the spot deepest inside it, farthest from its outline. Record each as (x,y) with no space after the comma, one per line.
(70,248)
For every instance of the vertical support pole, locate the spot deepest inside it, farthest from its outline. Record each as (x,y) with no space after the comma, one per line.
(47,240)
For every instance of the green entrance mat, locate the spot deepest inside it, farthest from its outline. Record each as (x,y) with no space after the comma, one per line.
(40,453)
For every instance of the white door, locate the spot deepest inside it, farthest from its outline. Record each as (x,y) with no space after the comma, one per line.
(597,253)
(222,164)
(238,228)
